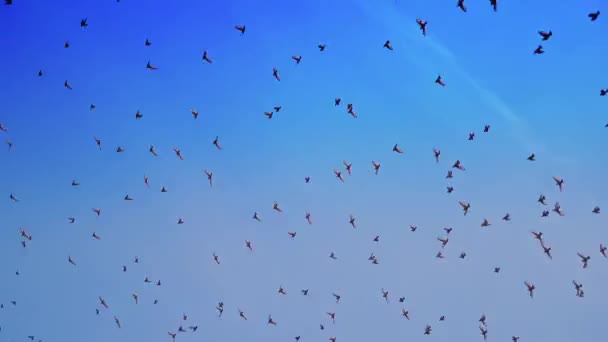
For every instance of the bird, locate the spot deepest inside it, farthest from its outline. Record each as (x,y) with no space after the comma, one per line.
(67,85)
(439,81)
(428,330)
(148,42)
(352,222)
(83,23)
(388,45)
(209,175)
(559,182)
(461,5)
(241,28)
(138,115)
(530,287)
(149,66)
(206,57)
(465,207)
(594,15)
(545,35)
(376,166)
(584,259)
(321,47)
(297,59)
(397,149)
(216,143)
(437,154)
(494,5)
(178,153)
(422,24)
(275,74)
(604,92)
(539,50)
(532,157)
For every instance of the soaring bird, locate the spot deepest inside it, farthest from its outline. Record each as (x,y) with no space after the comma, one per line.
(494,5)
(545,35)
(593,16)
(559,182)
(461,5)
(539,50)
(439,81)
(388,45)
(240,28)
(422,24)
(531,288)
(209,175)
(206,57)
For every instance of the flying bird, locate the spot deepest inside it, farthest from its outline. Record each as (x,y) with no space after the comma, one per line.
(439,81)
(388,45)
(494,5)
(461,5)
(216,142)
(531,288)
(465,206)
(539,50)
(209,175)
(376,166)
(206,57)
(593,16)
(559,182)
(149,66)
(240,28)
(422,24)
(545,35)
(584,259)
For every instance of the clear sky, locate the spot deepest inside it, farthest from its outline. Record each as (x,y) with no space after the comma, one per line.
(544,104)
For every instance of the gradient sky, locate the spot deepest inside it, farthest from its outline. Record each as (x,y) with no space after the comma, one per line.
(547,104)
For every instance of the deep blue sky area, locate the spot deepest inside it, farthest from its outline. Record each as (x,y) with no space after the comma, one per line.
(548,104)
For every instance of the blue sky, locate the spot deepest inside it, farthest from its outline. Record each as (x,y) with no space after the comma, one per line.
(548,104)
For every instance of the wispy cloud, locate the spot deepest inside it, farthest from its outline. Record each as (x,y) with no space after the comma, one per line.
(389,14)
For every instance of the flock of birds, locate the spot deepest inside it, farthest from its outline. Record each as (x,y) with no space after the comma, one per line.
(341,175)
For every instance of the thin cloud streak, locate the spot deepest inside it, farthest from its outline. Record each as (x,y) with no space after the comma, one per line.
(388,14)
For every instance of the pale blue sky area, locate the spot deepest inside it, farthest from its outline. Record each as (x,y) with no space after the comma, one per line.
(544,104)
